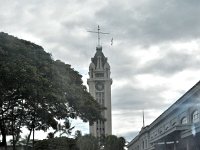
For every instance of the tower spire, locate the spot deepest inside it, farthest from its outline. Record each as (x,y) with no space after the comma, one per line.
(98,34)
(143,118)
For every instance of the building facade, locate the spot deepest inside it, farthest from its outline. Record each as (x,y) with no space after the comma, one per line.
(178,128)
(99,83)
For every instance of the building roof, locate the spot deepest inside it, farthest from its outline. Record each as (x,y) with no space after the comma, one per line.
(99,54)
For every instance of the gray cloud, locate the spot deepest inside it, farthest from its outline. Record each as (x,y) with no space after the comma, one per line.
(130,135)
(153,22)
(171,63)
(128,97)
(123,65)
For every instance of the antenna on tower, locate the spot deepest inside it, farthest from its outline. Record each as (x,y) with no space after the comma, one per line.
(98,33)
(143,118)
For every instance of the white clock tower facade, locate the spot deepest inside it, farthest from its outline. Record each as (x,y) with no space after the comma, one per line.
(99,83)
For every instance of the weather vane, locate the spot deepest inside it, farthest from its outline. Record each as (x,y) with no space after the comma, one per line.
(98,33)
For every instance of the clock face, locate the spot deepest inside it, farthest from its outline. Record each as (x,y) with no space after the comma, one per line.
(99,86)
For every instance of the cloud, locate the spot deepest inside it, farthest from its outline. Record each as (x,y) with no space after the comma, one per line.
(130,135)
(130,97)
(171,63)
(153,22)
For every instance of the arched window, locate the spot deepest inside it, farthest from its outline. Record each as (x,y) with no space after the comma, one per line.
(195,116)
(184,120)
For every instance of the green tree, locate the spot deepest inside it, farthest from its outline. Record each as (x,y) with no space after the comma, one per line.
(122,143)
(78,134)
(36,91)
(112,142)
(61,143)
(87,142)
(50,135)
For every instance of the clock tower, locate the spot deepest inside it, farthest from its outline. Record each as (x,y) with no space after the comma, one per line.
(99,83)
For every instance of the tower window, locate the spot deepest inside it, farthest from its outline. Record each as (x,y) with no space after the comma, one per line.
(99,75)
(92,73)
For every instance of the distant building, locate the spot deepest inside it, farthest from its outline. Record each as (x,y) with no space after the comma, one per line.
(99,83)
(178,128)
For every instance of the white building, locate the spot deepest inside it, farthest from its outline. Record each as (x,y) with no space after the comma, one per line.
(99,83)
(178,128)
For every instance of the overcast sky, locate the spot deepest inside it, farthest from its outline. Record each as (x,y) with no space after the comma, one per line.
(154,58)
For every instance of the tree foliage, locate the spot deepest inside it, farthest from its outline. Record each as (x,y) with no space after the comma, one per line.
(88,142)
(85,142)
(113,142)
(61,143)
(36,91)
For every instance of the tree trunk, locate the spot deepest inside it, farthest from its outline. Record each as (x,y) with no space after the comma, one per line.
(3,133)
(13,129)
(14,147)
(33,137)
(28,139)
